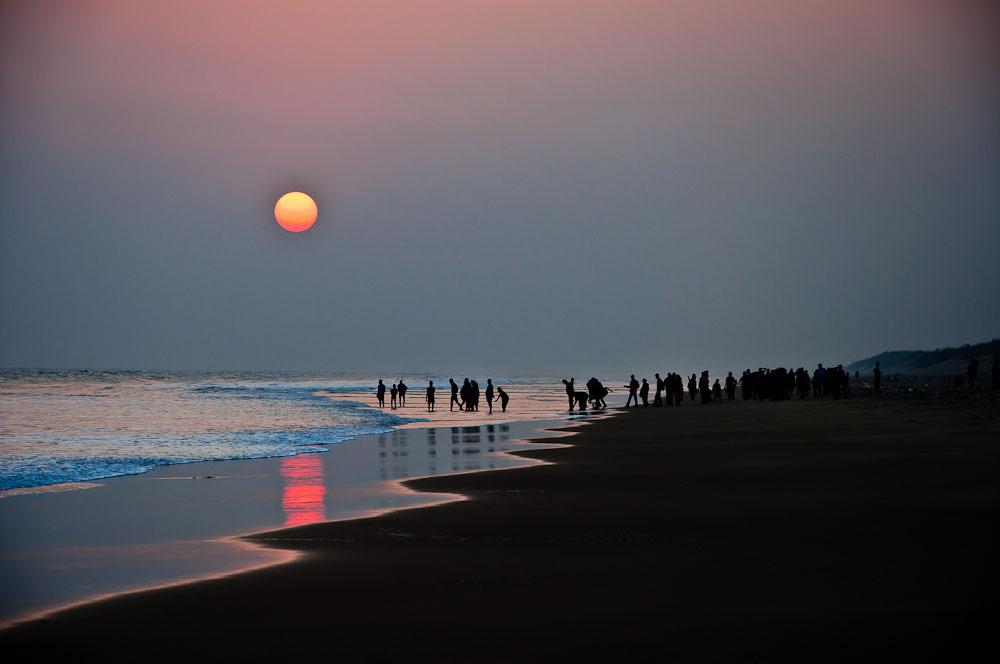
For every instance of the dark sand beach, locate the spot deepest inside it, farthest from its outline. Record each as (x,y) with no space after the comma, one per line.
(791,531)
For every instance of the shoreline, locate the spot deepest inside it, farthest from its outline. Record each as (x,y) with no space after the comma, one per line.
(757,530)
(536,433)
(359,398)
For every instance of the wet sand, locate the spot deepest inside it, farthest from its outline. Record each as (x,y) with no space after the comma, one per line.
(183,522)
(814,531)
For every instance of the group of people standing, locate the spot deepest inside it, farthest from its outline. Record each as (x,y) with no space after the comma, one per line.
(466,397)
(670,390)
(773,384)
(779,384)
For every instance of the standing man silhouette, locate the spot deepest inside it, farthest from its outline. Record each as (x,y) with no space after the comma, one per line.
(704,387)
(454,395)
(489,394)
(380,393)
(392,394)
(570,389)
(644,393)
(430,395)
(877,382)
(658,400)
(402,393)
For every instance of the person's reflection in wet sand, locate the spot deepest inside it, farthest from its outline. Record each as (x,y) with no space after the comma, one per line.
(432,450)
(383,472)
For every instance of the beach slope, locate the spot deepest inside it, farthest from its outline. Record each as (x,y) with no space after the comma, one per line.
(794,531)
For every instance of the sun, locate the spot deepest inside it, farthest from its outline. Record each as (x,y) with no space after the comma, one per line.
(296,212)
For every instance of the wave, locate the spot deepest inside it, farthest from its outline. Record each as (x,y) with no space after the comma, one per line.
(147,423)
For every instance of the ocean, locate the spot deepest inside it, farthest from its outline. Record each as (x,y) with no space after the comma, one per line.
(79,426)
(117,481)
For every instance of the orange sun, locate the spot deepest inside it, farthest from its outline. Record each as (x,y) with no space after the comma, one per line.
(296,212)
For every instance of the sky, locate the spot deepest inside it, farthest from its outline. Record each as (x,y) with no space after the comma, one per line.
(522,187)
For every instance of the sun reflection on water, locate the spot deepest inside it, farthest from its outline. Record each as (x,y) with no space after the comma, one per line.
(304,493)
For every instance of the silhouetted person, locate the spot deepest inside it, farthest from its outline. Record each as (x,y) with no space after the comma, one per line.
(703,387)
(454,395)
(802,384)
(678,389)
(730,387)
(633,392)
(489,394)
(430,395)
(644,393)
(465,394)
(504,398)
(596,392)
(393,393)
(475,395)
(819,380)
(971,372)
(877,379)
(717,391)
(380,393)
(570,389)
(402,392)
(693,386)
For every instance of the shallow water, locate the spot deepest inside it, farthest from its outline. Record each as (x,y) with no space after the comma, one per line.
(58,427)
(176,522)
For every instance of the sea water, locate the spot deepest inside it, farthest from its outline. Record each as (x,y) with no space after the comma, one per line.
(116,481)
(78,426)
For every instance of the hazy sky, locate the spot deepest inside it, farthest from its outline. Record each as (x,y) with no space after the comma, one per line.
(503,186)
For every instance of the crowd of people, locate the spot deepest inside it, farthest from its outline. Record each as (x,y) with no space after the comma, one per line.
(778,384)
(770,384)
(465,397)
(763,384)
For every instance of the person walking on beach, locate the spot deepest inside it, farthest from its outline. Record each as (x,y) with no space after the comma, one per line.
(658,400)
(402,393)
(633,392)
(380,393)
(454,395)
(717,391)
(644,393)
(703,387)
(430,395)
(489,394)
(692,386)
(570,391)
(504,398)
(730,387)
(877,381)
(392,394)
